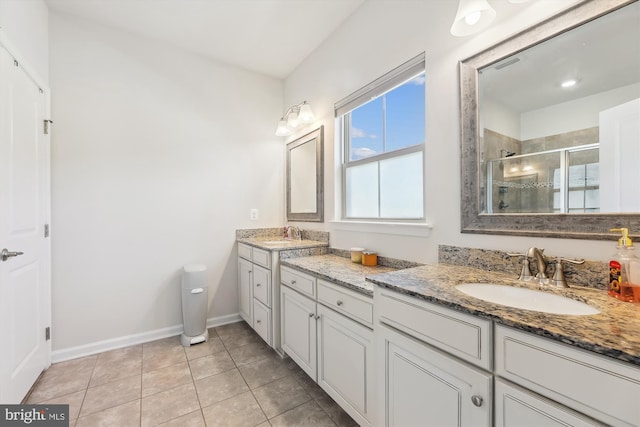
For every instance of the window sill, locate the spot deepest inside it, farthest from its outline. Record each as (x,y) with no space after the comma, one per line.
(396,228)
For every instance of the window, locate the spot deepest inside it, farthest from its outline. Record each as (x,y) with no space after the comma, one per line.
(383,134)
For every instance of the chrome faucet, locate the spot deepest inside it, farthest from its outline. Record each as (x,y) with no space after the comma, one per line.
(541,276)
(293,233)
(537,255)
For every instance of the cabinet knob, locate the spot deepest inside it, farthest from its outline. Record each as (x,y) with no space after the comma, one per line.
(293,282)
(311,314)
(317,317)
(258,285)
(258,321)
(249,271)
(339,303)
(477,400)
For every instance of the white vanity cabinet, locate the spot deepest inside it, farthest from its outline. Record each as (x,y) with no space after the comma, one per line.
(597,386)
(419,384)
(326,330)
(256,292)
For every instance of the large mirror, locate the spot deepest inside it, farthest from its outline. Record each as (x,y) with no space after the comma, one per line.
(305,179)
(551,127)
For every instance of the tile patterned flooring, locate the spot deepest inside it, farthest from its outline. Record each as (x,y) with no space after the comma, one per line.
(234,379)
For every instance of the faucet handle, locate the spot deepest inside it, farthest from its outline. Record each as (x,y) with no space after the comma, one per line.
(525,273)
(558,276)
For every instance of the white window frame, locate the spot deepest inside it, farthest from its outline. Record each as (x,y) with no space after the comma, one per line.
(397,77)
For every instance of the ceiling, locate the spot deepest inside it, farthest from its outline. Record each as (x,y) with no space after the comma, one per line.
(270,37)
(601,55)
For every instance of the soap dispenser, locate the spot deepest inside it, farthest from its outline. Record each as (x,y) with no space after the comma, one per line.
(624,270)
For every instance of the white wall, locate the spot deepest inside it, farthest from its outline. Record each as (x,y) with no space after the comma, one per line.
(573,115)
(158,156)
(25,24)
(378,37)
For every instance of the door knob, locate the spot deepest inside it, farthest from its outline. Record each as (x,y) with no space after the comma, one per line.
(6,254)
(477,400)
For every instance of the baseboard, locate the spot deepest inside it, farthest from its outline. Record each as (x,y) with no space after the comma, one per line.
(115,343)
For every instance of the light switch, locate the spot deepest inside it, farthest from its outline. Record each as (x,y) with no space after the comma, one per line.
(253,214)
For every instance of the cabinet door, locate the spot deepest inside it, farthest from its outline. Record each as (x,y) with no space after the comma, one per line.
(298,319)
(262,285)
(245,290)
(425,387)
(345,363)
(519,407)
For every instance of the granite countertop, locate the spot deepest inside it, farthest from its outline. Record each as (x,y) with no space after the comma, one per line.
(277,243)
(614,332)
(339,270)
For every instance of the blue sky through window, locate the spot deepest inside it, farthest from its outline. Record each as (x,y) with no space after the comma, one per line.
(404,108)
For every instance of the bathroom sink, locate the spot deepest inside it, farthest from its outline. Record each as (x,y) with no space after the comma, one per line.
(527,299)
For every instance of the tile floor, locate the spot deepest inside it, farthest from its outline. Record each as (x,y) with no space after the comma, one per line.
(235,379)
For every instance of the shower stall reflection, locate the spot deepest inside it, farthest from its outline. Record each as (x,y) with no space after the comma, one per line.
(565,180)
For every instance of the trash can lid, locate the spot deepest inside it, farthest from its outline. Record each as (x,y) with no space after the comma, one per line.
(192,268)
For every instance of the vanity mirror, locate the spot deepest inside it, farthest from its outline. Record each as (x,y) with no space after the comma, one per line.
(541,159)
(305,179)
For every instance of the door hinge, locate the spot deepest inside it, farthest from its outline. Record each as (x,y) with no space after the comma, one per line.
(46,126)
(47,333)
(46,230)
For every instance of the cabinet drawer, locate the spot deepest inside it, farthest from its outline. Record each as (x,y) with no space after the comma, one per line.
(244,251)
(356,306)
(262,285)
(300,281)
(261,257)
(597,386)
(465,336)
(262,321)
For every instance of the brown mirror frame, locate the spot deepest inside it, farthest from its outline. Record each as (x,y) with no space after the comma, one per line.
(576,226)
(316,136)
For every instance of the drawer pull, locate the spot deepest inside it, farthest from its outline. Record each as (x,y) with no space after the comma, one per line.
(339,303)
(258,321)
(258,285)
(477,400)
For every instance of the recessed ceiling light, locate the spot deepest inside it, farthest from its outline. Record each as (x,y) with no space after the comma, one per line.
(568,83)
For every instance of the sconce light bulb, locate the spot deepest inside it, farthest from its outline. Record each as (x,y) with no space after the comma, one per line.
(292,120)
(305,115)
(282,129)
(472,18)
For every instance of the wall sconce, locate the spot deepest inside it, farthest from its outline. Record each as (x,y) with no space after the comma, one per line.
(295,116)
(473,16)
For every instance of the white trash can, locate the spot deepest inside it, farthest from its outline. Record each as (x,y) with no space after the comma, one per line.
(194,304)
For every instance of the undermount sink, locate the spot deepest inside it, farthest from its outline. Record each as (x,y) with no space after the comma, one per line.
(527,299)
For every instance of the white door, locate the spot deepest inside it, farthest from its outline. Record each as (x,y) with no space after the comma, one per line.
(619,158)
(24,209)
(425,387)
(345,363)
(245,289)
(299,329)
(517,407)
